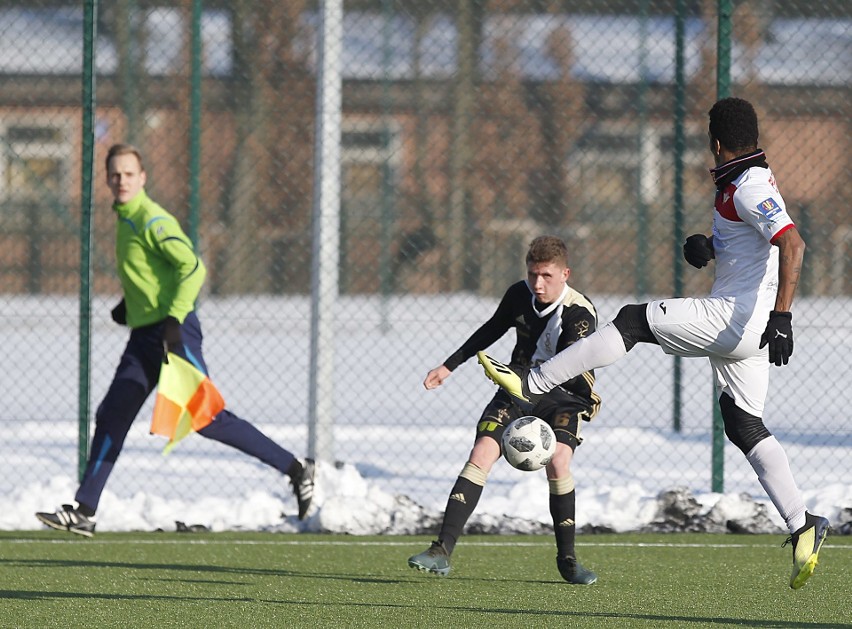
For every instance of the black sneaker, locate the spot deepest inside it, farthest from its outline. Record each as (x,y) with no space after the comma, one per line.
(573,572)
(512,379)
(67,518)
(303,487)
(806,544)
(434,559)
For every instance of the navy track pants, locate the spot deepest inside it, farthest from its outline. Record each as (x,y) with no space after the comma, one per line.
(135,379)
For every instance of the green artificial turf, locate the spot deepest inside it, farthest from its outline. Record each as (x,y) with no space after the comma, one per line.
(246,580)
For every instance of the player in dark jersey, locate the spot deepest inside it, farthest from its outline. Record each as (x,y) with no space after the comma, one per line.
(548,315)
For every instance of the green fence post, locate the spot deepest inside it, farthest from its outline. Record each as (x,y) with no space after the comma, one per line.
(90,10)
(723,50)
(679,150)
(128,67)
(805,229)
(642,229)
(195,124)
(723,89)
(385,275)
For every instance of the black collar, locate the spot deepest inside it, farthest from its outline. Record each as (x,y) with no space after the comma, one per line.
(730,170)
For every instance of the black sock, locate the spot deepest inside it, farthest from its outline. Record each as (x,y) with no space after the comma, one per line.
(85,510)
(563,510)
(295,469)
(463,500)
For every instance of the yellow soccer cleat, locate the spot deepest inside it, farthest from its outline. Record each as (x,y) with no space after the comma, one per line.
(513,380)
(806,544)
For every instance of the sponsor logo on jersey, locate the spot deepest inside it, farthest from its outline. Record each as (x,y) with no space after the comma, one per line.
(773,183)
(769,208)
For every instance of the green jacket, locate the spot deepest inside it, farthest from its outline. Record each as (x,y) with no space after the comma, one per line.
(159,272)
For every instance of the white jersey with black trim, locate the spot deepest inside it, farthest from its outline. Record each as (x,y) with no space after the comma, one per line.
(749,214)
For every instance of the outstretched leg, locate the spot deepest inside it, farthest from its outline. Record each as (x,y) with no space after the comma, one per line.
(231,430)
(609,344)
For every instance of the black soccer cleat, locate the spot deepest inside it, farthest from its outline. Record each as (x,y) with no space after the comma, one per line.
(573,572)
(512,379)
(67,518)
(303,487)
(434,559)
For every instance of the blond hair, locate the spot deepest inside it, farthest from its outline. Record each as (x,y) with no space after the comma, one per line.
(124,149)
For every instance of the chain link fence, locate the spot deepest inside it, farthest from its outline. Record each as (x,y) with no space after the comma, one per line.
(468,128)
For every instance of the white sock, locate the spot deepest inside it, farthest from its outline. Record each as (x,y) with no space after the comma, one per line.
(773,471)
(602,348)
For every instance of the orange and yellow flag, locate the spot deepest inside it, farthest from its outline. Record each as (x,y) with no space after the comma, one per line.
(187,401)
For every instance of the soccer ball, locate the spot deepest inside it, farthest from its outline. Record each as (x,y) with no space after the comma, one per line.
(528,443)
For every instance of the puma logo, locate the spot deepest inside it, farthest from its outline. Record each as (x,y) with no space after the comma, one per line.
(781,334)
(663,306)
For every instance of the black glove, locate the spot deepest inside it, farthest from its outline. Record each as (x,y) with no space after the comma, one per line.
(698,250)
(119,313)
(172,340)
(779,337)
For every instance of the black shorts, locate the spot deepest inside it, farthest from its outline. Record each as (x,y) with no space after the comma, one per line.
(564,412)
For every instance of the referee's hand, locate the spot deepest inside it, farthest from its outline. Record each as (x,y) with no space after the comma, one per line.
(119,313)
(172,338)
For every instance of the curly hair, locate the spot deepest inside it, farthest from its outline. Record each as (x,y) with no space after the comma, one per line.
(733,122)
(547,249)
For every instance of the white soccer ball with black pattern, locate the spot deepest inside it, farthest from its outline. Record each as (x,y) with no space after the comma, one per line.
(528,443)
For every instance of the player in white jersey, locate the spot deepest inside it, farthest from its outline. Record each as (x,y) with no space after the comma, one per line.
(742,327)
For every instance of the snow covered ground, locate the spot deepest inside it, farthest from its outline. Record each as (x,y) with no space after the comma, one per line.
(397,447)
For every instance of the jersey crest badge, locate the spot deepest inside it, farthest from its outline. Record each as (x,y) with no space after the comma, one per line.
(769,208)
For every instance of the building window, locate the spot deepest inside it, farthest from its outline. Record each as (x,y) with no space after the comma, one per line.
(35,164)
(615,169)
(370,155)
(35,170)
